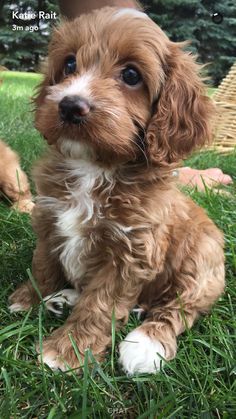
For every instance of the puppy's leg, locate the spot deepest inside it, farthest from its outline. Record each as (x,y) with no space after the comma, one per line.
(198,285)
(89,325)
(48,275)
(115,287)
(145,348)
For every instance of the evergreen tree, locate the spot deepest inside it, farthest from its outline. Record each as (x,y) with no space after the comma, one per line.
(192,20)
(180,19)
(23,42)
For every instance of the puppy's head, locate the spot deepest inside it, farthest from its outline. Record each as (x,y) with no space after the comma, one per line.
(117,86)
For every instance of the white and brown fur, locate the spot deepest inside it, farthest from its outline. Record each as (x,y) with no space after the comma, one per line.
(109,217)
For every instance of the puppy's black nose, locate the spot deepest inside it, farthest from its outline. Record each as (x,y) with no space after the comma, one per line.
(73,109)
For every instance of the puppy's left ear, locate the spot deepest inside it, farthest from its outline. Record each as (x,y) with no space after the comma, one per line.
(182,113)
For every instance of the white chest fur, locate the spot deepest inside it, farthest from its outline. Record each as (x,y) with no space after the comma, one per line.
(72,248)
(81,208)
(73,213)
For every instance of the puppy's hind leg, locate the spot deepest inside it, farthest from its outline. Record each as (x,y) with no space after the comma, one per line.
(48,275)
(155,340)
(56,302)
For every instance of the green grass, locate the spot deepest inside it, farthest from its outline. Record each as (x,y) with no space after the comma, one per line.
(199,383)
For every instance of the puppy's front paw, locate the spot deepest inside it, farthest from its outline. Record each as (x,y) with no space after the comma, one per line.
(58,355)
(58,352)
(56,302)
(140,354)
(53,359)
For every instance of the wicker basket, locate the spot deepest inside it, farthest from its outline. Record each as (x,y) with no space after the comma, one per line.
(225,122)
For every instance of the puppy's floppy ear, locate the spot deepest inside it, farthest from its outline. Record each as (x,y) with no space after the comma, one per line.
(182,113)
(41,88)
(41,114)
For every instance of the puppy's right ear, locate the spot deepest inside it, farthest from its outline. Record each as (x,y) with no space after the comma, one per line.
(41,89)
(38,101)
(41,113)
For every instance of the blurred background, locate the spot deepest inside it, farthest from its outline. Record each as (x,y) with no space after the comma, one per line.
(213,42)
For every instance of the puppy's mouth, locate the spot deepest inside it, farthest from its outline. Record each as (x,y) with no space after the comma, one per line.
(74,109)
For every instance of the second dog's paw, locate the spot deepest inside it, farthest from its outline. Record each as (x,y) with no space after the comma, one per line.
(140,354)
(56,302)
(24,205)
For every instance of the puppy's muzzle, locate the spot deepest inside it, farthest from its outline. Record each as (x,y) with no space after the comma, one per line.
(74,109)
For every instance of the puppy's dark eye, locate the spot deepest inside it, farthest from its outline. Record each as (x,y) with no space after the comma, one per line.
(131,76)
(70,65)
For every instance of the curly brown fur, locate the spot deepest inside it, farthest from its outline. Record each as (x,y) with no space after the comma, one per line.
(109,218)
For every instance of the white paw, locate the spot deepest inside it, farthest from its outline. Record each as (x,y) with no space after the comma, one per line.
(16,307)
(140,354)
(55,302)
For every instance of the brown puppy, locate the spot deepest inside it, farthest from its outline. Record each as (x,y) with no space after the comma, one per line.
(13,181)
(120,104)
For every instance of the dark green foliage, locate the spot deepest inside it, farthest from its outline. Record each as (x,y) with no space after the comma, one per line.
(181,19)
(24,42)
(192,20)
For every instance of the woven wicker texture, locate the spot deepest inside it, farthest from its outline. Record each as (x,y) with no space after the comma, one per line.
(225,122)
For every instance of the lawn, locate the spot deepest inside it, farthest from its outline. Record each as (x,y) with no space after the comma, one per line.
(199,383)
